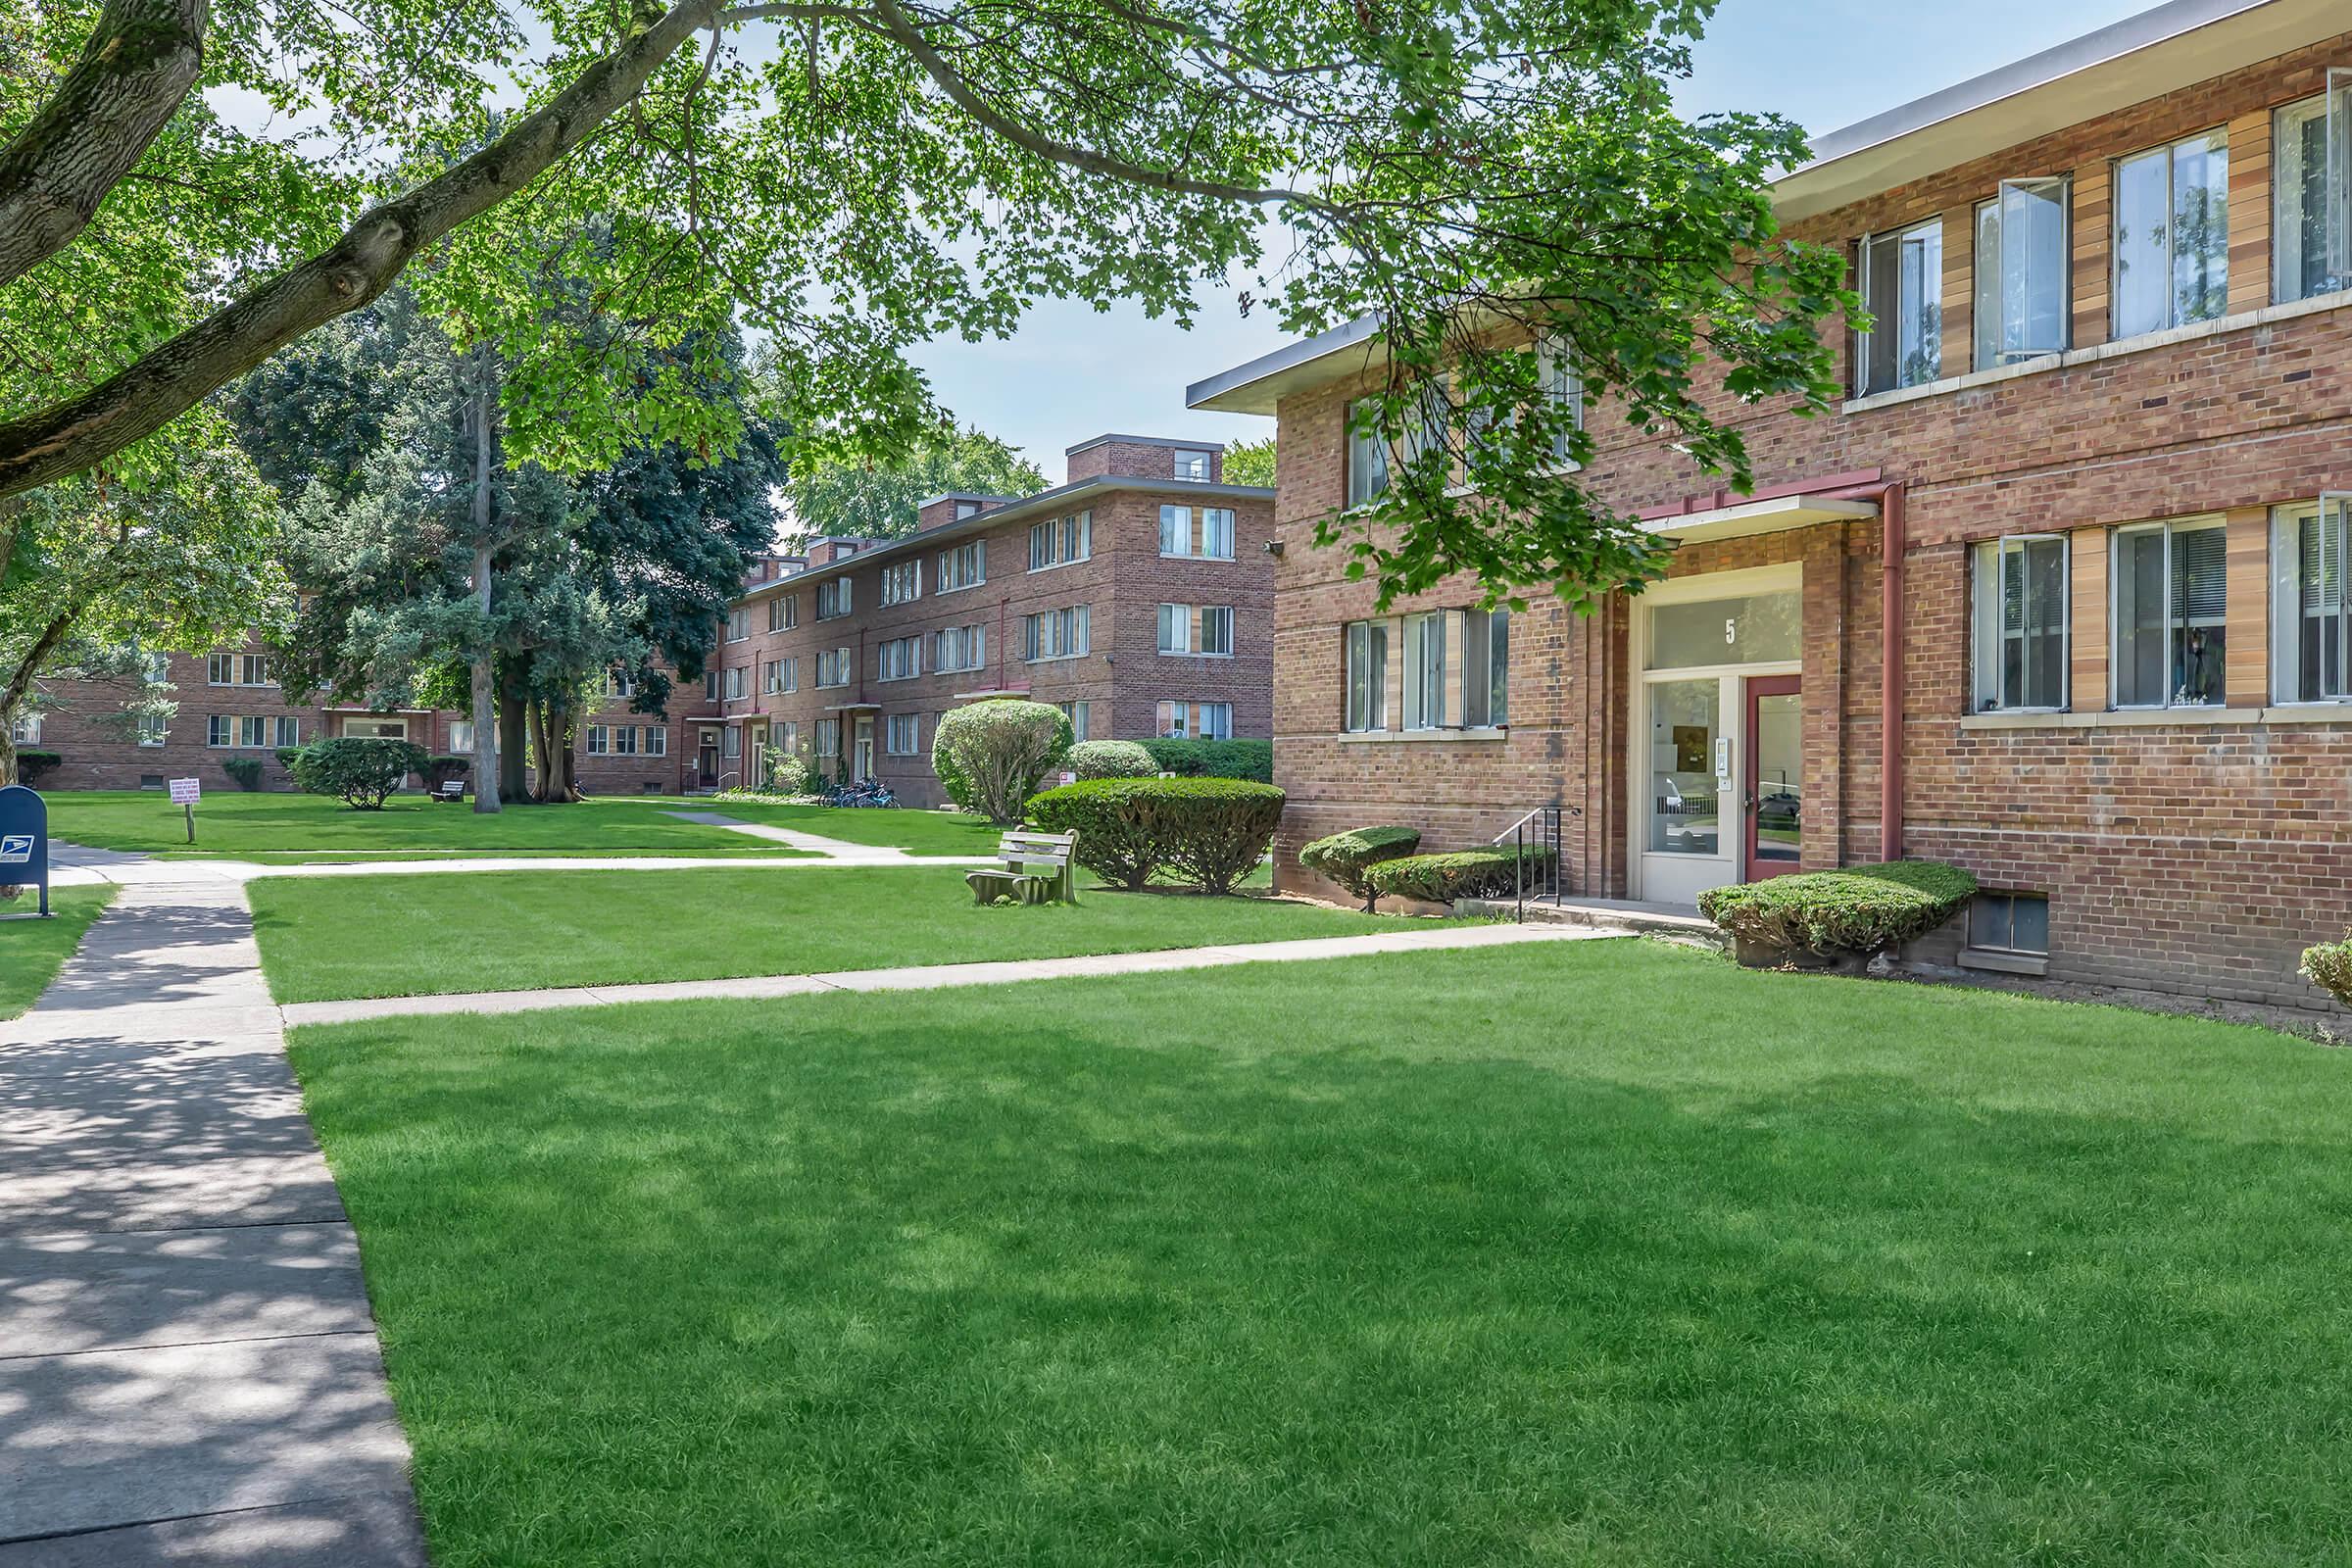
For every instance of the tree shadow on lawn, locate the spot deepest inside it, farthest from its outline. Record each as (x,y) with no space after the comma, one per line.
(1107,1273)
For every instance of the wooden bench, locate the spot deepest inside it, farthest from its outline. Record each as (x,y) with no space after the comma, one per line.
(453,789)
(1039,868)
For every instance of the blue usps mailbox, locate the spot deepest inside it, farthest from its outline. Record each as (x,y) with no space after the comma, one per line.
(24,840)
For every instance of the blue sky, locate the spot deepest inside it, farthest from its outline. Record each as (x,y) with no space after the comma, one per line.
(1070,373)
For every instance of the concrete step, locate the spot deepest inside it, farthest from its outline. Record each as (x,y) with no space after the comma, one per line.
(1612,914)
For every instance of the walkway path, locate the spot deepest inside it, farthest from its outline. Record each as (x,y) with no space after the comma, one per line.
(139,871)
(933,977)
(838,848)
(188,1369)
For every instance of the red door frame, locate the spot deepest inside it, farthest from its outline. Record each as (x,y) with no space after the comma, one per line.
(1761,686)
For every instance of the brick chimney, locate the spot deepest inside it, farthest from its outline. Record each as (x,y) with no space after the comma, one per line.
(955,507)
(1146,456)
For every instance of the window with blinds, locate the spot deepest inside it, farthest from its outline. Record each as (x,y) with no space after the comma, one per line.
(2020,623)
(2311,556)
(2171,614)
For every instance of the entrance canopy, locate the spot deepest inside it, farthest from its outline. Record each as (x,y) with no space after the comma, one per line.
(1775,515)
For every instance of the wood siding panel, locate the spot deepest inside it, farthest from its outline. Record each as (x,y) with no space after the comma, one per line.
(2250,212)
(2088,691)
(2248,662)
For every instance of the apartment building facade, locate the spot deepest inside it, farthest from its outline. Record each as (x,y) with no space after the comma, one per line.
(2057,594)
(1137,597)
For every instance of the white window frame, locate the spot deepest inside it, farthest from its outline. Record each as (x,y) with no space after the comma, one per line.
(904,653)
(287,731)
(218,732)
(2335,107)
(1194,457)
(835,597)
(1059,542)
(961,567)
(1422,666)
(739,624)
(1367,476)
(1078,710)
(903,582)
(913,723)
(2287,598)
(1984,659)
(2167,530)
(1364,705)
(833,662)
(733,689)
(25,729)
(151,729)
(2217,146)
(598,742)
(1073,634)
(783,613)
(1926,239)
(1994,352)
(828,740)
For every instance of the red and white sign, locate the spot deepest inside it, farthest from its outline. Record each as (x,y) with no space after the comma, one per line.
(186,792)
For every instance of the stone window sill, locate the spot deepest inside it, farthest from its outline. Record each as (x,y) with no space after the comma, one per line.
(2266,316)
(2028,964)
(1394,736)
(2163,718)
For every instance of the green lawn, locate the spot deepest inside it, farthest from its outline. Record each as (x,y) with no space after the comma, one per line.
(278,828)
(1602,1253)
(414,935)
(31,951)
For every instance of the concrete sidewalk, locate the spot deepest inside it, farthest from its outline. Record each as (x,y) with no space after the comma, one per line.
(188,1369)
(236,873)
(934,978)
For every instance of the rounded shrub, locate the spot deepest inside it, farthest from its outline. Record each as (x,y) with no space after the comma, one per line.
(1841,919)
(1491,872)
(1347,857)
(32,762)
(990,757)
(363,769)
(1208,831)
(1193,759)
(2329,965)
(246,770)
(1111,759)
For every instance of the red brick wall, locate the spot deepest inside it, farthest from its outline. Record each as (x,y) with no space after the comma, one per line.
(2188,856)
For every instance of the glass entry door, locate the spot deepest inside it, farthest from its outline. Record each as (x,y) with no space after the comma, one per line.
(1776,772)
(863,757)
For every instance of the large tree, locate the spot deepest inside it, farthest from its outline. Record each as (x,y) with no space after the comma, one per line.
(869,500)
(94,581)
(852,177)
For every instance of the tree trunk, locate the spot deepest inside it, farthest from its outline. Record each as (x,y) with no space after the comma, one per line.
(514,735)
(19,683)
(485,719)
(8,749)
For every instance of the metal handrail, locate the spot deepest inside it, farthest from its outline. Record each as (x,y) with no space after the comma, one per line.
(1540,829)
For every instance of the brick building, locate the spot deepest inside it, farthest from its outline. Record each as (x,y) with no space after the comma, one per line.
(2076,532)
(1137,597)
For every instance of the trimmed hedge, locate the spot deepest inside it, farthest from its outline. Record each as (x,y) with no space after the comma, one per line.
(1347,857)
(32,762)
(1251,759)
(286,755)
(1837,917)
(992,755)
(246,770)
(1481,873)
(1209,831)
(363,769)
(2329,965)
(1112,760)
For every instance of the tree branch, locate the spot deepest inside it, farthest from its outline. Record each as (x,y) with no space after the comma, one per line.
(138,68)
(68,437)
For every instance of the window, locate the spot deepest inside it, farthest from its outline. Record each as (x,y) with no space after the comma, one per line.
(1207,721)
(625,740)
(1368,674)
(1175,531)
(619,684)
(902,582)
(26,729)
(788,737)
(1059,541)
(902,734)
(253,731)
(233,731)
(1078,712)
(898,659)
(833,667)
(959,648)
(235,669)
(1425,670)
(739,624)
(964,567)
(2312,146)
(153,729)
(2172,235)
(386,729)
(1055,634)
(735,678)
(828,738)
(1215,541)
(2022,263)
(1456,670)
(783,613)
(2020,623)
(1902,288)
(2311,615)
(731,743)
(656,740)
(832,598)
(1191,464)
(600,740)
(460,735)
(217,729)
(2010,922)
(1367,453)
(710,685)
(1556,370)
(289,733)
(1217,533)
(1196,630)
(2171,632)
(771,677)
(1485,668)
(159,669)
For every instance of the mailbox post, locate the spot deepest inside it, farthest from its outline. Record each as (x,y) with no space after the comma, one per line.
(25,841)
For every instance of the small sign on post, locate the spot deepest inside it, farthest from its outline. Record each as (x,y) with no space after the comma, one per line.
(25,841)
(186,793)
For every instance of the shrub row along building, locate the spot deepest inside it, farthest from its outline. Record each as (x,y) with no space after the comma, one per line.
(2058,594)
(1137,598)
